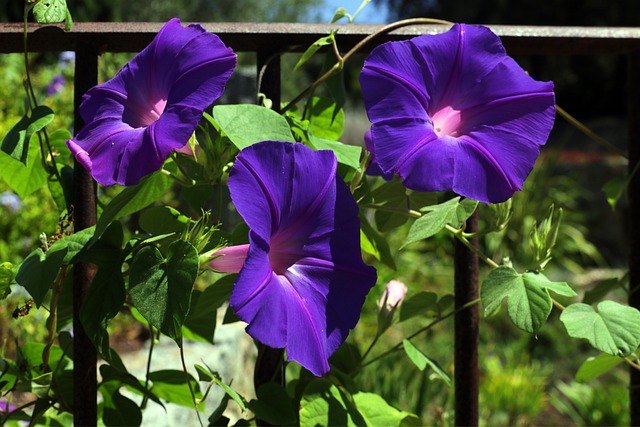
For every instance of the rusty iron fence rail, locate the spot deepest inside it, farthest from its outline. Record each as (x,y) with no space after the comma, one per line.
(268,41)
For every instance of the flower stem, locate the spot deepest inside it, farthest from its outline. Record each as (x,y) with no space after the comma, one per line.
(186,374)
(340,64)
(588,132)
(407,212)
(418,332)
(459,234)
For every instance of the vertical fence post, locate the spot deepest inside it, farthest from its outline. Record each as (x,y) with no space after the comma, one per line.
(633,93)
(466,289)
(269,364)
(85,412)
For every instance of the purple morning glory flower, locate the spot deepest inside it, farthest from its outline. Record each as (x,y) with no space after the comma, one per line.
(453,112)
(302,280)
(151,107)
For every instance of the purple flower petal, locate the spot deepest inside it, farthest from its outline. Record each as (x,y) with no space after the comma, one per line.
(303,282)
(454,112)
(153,105)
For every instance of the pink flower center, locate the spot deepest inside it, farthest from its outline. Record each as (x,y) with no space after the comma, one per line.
(142,115)
(446,122)
(282,254)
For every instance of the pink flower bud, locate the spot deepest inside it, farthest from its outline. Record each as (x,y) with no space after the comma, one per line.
(392,296)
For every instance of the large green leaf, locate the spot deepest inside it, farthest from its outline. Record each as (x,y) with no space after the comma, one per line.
(16,142)
(247,124)
(326,119)
(38,271)
(23,180)
(452,212)
(348,155)
(161,288)
(162,219)
(107,292)
(274,405)
(613,329)
(374,243)
(118,410)
(418,304)
(377,412)
(133,199)
(529,302)
(322,404)
(593,367)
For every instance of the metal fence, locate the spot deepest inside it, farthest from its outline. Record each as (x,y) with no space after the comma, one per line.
(269,41)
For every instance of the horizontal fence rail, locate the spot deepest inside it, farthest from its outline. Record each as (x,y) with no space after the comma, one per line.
(295,37)
(268,41)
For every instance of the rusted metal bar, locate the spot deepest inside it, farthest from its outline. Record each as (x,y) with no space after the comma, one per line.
(85,359)
(466,330)
(633,92)
(296,37)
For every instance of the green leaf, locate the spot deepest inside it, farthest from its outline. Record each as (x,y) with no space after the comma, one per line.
(452,212)
(529,302)
(311,50)
(161,288)
(16,142)
(50,11)
(120,378)
(348,155)
(231,393)
(394,195)
(614,189)
(326,119)
(614,329)
(273,405)
(162,219)
(593,367)
(418,304)
(23,180)
(377,412)
(74,244)
(322,404)
(6,279)
(171,385)
(38,271)
(133,199)
(247,124)
(200,323)
(421,360)
(374,243)
(340,13)
(118,410)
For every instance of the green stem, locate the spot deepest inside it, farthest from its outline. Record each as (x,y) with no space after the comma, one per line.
(459,234)
(340,64)
(418,332)
(588,132)
(186,374)
(407,212)
(373,343)
(145,399)
(357,12)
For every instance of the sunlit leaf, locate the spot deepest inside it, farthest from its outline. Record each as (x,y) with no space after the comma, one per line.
(247,124)
(421,360)
(593,367)
(16,142)
(529,302)
(614,329)
(311,50)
